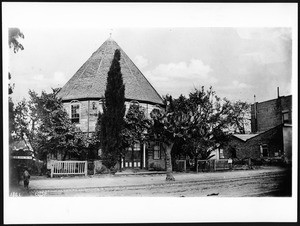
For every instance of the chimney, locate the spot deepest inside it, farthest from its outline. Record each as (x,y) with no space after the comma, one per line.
(255,107)
(254,116)
(278,92)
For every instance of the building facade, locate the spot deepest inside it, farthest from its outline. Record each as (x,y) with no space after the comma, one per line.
(271,132)
(83,97)
(268,114)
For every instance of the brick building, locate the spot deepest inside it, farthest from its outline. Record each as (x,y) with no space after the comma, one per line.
(268,114)
(271,132)
(83,94)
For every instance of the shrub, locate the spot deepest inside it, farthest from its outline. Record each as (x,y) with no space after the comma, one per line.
(155,167)
(103,170)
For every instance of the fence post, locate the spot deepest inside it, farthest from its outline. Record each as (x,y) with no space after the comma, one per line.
(94,167)
(197,165)
(85,168)
(52,169)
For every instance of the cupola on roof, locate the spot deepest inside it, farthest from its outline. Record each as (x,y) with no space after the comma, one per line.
(89,82)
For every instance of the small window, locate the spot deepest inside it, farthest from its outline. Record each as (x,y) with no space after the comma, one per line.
(101,103)
(156,152)
(75,113)
(94,106)
(134,102)
(136,147)
(264,150)
(285,117)
(221,152)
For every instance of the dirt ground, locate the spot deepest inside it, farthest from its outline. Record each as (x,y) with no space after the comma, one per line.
(265,181)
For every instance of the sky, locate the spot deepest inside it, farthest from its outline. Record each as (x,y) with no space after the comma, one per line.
(237,61)
(240,49)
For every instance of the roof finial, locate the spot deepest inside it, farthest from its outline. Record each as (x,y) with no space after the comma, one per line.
(110,33)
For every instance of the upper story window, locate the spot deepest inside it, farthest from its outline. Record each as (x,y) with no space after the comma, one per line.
(75,112)
(101,103)
(94,106)
(286,117)
(221,154)
(134,102)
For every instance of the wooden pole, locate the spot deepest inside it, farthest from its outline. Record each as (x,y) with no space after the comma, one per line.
(52,168)
(85,168)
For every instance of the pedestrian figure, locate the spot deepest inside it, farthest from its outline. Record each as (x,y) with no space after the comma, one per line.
(26,177)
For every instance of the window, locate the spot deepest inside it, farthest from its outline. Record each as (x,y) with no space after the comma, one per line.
(264,150)
(156,152)
(221,156)
(75,113)
(94,106)
(137,147)
(134,102)
(101,103)
(285,117)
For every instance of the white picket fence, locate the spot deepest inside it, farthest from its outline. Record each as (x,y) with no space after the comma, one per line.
(69,168)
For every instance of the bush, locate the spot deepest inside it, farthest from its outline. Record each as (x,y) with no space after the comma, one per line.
(155,167)
(103,170)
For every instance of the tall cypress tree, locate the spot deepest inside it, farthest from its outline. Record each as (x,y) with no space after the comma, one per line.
(112,121)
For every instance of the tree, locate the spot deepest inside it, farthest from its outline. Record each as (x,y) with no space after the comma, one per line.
(209,131)
(13,35)
(168,126)
(56,133)
(201,121)
(112,122)
(136,127)
(48,128)
(240,116)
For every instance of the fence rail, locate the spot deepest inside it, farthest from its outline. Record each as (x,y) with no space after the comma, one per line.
(213,165)
(69,168)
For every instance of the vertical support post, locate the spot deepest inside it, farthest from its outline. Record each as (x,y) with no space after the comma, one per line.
(144,155)
(85,168)
(88,119)
(215,165)
(197,166)
(52,168)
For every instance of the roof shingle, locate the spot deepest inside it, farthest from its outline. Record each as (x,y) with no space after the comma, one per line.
(90,80)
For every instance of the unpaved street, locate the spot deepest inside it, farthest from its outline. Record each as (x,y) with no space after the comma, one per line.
(267,181)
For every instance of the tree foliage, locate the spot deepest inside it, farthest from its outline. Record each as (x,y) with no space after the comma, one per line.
(112,122)
(136,126)
(48,127)
(13,35)
(200,120)
(240,116)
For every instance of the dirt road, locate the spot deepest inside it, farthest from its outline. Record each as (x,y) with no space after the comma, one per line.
(269,181)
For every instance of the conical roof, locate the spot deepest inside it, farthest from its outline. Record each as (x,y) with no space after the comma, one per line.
(89,82)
